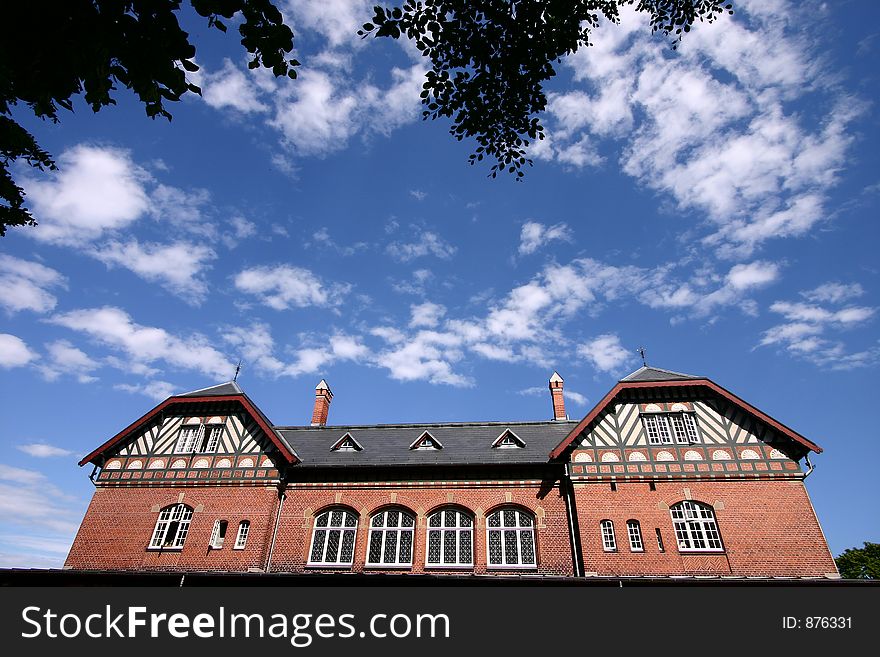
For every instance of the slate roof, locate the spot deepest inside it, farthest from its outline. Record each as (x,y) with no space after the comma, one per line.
(221,390)
(464,443)
(656,374)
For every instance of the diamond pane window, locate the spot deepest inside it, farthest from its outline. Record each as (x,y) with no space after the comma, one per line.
(391,539)
(171,527)
(450,538)
(333,538)
(695,527)
(511,539)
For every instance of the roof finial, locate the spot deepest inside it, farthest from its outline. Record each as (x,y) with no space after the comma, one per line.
(237,370)
(641,351)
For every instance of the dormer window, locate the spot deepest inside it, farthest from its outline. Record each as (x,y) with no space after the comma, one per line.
(426,441)
(346,444)
(508,440)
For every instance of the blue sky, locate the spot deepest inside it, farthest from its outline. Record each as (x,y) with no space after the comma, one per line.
(716,204)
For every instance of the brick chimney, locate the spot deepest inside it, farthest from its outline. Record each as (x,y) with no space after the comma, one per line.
(557,398)
(323,397)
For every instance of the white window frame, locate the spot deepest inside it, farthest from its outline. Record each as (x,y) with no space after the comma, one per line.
(218,534)
(696,529)
(460,531)
(190,436)
(176,516)
(241,537)
(523,525)
(325,527)
(211,439)
(609,540)
(381,534)
(678,428)
(634,532)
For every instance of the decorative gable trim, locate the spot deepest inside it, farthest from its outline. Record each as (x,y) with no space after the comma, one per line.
(426,441)
(347,443)
(508,439)
(573,435)
(148,417)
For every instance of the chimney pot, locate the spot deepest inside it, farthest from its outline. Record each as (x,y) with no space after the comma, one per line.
(556,396)
(323,397)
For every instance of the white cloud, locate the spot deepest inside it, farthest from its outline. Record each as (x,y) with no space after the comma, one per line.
(44,450)
(605,353)
(427,244)
(322,238)
(178,267)
(96,189)
(337,20)
(755,274)
(146,345)
(834,292)
(282,287)
(14,352)
(183,209)
(64,358)
(25,285)
(803,333)
(242,227)
(535,235)
(231,88)
(156,390)
(29,500)
(418,194)
(570,395)
(711,125)
(426,314)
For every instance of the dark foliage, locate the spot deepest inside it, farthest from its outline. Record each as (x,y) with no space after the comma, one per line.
(860,563)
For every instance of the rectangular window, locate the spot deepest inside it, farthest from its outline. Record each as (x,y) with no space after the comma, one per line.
(664,428)
(189,437)
(659,539)
(211,439)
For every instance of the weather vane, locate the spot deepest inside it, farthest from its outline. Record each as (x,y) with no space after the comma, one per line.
(237,370)
(641,351)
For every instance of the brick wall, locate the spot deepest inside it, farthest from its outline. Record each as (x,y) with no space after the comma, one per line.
(119,524)
(768,529)
(303,504)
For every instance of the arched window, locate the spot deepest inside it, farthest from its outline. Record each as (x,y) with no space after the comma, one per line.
(172,527)
(450,539)
(244,529)
(391,539)
(218,534)
(510,539)
(333,538)
(695,527)
(609,542)
(634,531)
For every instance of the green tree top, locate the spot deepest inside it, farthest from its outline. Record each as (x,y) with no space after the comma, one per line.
(860,563)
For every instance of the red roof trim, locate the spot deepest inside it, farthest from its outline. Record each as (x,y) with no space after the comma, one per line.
(246,403)
(574,433)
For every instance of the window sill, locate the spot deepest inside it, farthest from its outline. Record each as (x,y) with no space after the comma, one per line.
(497,567)
(388,566)
(687,552)
(328,566)
(442,566)
(165,549)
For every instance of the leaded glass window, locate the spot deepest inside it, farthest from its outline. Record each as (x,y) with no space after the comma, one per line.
(450,539)
(609,542)
(695,527)
(510,539)
(634,531)
(391,539)
(172,527)
(333,538)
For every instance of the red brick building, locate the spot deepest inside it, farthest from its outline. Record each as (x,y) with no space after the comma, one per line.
(669,475)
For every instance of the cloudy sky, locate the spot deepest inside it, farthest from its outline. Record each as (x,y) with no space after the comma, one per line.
(716,204)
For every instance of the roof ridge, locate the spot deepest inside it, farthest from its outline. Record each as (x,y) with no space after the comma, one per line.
(648,368)
(416,425)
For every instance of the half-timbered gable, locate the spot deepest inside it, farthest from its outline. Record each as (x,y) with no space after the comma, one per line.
(660,423)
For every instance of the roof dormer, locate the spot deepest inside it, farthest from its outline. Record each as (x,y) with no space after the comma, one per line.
(426,441)
(508,440)
(347,444)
